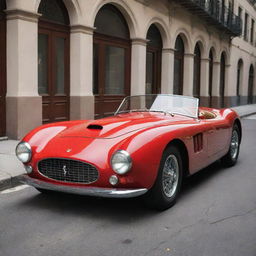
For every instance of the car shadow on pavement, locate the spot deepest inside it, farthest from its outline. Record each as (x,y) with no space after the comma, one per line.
(119,210)
(200,178)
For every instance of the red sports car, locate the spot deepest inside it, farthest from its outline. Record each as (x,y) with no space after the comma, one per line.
(150,144)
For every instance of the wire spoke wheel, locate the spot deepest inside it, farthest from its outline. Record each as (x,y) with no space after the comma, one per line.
(230,158)
(234,145)
(170,175)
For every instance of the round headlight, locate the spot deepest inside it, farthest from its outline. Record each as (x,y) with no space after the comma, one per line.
(23,152)
(121,162)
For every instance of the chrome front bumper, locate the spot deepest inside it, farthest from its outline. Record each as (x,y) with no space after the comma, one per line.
(87,191)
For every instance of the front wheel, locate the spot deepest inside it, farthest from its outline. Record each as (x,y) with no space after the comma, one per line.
(230,158)
(165,191)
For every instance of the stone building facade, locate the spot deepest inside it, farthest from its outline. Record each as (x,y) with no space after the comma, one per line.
(76,59)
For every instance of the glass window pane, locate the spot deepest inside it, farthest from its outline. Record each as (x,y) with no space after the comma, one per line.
(54,11)
(95,69)
(154,37)
(149,73)
(42,64)
(109,21)
(115,70)
(60,65)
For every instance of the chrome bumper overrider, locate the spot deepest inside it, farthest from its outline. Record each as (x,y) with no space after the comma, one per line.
(88,191)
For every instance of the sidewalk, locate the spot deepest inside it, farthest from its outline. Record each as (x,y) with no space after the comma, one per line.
(11,168)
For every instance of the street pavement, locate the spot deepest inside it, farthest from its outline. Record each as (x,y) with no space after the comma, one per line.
(215,215)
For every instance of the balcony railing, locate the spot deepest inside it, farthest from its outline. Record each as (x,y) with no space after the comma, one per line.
(214,13)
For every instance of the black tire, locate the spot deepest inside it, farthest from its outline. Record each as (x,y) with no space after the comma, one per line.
(230,159)
(156,198)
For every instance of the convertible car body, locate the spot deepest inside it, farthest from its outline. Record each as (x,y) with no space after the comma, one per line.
(147,147)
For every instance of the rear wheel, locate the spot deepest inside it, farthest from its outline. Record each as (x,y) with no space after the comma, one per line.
(165,191)
(230,158)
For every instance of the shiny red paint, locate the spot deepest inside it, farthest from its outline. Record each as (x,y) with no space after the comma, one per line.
(143,135)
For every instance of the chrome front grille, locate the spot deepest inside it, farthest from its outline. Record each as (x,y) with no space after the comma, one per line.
(67,170)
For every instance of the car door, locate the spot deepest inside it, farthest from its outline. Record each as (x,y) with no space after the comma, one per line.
(217,136)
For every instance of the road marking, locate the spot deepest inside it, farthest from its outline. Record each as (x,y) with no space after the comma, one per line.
(15,189)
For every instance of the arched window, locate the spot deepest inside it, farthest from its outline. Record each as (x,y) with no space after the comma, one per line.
(250,85)
(197,71)
(222,78)
(210,76)
(2,67)
(153,61)
(53,60)
(178,66)
(239,80)
(112,53)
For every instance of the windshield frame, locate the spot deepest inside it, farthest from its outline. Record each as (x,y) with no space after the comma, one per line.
(160,111)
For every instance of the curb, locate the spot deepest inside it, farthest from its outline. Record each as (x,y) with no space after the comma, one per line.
(10,182)
(245,115)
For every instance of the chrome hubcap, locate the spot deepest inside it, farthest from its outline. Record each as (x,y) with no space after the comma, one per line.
(234,145)
(170,176)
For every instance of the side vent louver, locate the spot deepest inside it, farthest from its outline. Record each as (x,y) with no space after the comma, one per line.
(198,142)
(94,127)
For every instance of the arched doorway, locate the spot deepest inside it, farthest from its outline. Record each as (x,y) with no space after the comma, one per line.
(239,80)
(53,60)
(210,76)
(197,71)
(2,68)
(153,61)
(112,60)
(250,85)
(222,79)
(178,66)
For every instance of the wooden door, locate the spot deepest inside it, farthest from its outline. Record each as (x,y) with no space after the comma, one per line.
(197,72)
(153,60)
(153,71)
(222,79)
(178,66)
(2,74)
(53,71)
(112,60)
(250,85)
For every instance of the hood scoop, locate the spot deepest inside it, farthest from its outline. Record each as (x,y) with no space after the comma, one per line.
(94,127)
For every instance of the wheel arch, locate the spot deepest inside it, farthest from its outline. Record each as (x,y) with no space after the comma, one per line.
(184,153)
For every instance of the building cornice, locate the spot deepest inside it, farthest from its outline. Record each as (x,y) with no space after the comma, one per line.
(18,14)
(168,50)
(82,29)
(140,41)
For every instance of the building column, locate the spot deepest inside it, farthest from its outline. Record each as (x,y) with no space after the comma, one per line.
(245,83)
(188,74)
(216,85)
(167,71)
(230,98)
(204,87)
(138,66)
(23,104)
(81,73)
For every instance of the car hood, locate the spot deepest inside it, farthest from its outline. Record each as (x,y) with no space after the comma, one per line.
(113,127)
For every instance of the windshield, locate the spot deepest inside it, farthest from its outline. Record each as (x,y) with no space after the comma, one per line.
(171,104)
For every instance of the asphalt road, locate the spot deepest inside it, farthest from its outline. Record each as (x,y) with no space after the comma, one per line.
(215,216)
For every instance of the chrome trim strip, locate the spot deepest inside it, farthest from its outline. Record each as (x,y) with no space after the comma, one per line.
(99,192)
